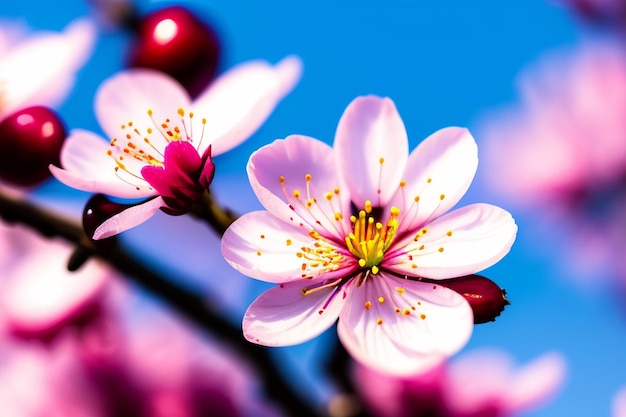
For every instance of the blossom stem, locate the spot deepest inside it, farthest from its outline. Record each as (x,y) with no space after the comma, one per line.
(183,301)
(218,217)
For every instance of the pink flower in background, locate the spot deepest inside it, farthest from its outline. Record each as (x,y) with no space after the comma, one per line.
(39,69)
(39,297)
(562,150)
(351,232)
(137,363)
(566,136)
(162,141)
(484,383)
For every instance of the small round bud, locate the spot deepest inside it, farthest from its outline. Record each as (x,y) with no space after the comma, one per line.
(30,140)
(174,41)
(97,210)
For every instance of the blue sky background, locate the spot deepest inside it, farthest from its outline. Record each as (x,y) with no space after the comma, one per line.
(444,63)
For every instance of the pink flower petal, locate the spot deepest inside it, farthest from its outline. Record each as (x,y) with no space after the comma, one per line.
(438,173)
(263,247)
(402,326)
(294,179)
(41,69)
(238,102)
(128,218)
(87,167)
(372,149)
(283,316)
(462,242)
(128,95)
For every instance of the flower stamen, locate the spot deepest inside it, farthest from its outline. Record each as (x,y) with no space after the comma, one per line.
(370,239)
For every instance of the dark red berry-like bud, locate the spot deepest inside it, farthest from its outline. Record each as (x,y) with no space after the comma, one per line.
(98,209)
(30,140)
(174,41)
(484,296)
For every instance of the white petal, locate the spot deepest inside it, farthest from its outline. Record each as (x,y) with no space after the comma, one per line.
(128,95)
(128,218)
(438,173)
(403,327)
(278,174)
(41,69)
(283,316)
(462,242)
(372,149)
(238,102)
(87,167)
(263,247)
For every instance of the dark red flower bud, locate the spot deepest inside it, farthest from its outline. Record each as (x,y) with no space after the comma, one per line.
(174,41)
(98,209)
(484,296)
(30,140)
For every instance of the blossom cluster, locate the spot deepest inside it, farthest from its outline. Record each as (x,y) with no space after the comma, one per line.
(359,236)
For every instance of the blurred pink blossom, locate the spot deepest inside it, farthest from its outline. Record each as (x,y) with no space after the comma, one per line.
(561,151)
(135,362)
(39,68)
(484,383)
(39,297)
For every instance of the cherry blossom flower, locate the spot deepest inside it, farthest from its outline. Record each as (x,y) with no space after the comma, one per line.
(162,141)
(39,297)
(560,152)
(482,383)
(39,69)
(359,232)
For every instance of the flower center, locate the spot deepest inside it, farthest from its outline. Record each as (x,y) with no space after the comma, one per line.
(146,147)
(370,238)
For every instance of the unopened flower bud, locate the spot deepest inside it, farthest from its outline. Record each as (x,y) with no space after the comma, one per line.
(485,297)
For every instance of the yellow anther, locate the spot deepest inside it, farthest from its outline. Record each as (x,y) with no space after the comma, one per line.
(375,270)
(381,160)
(181,112)
(307,177)
(368,206)
(381,299)
(368,305)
